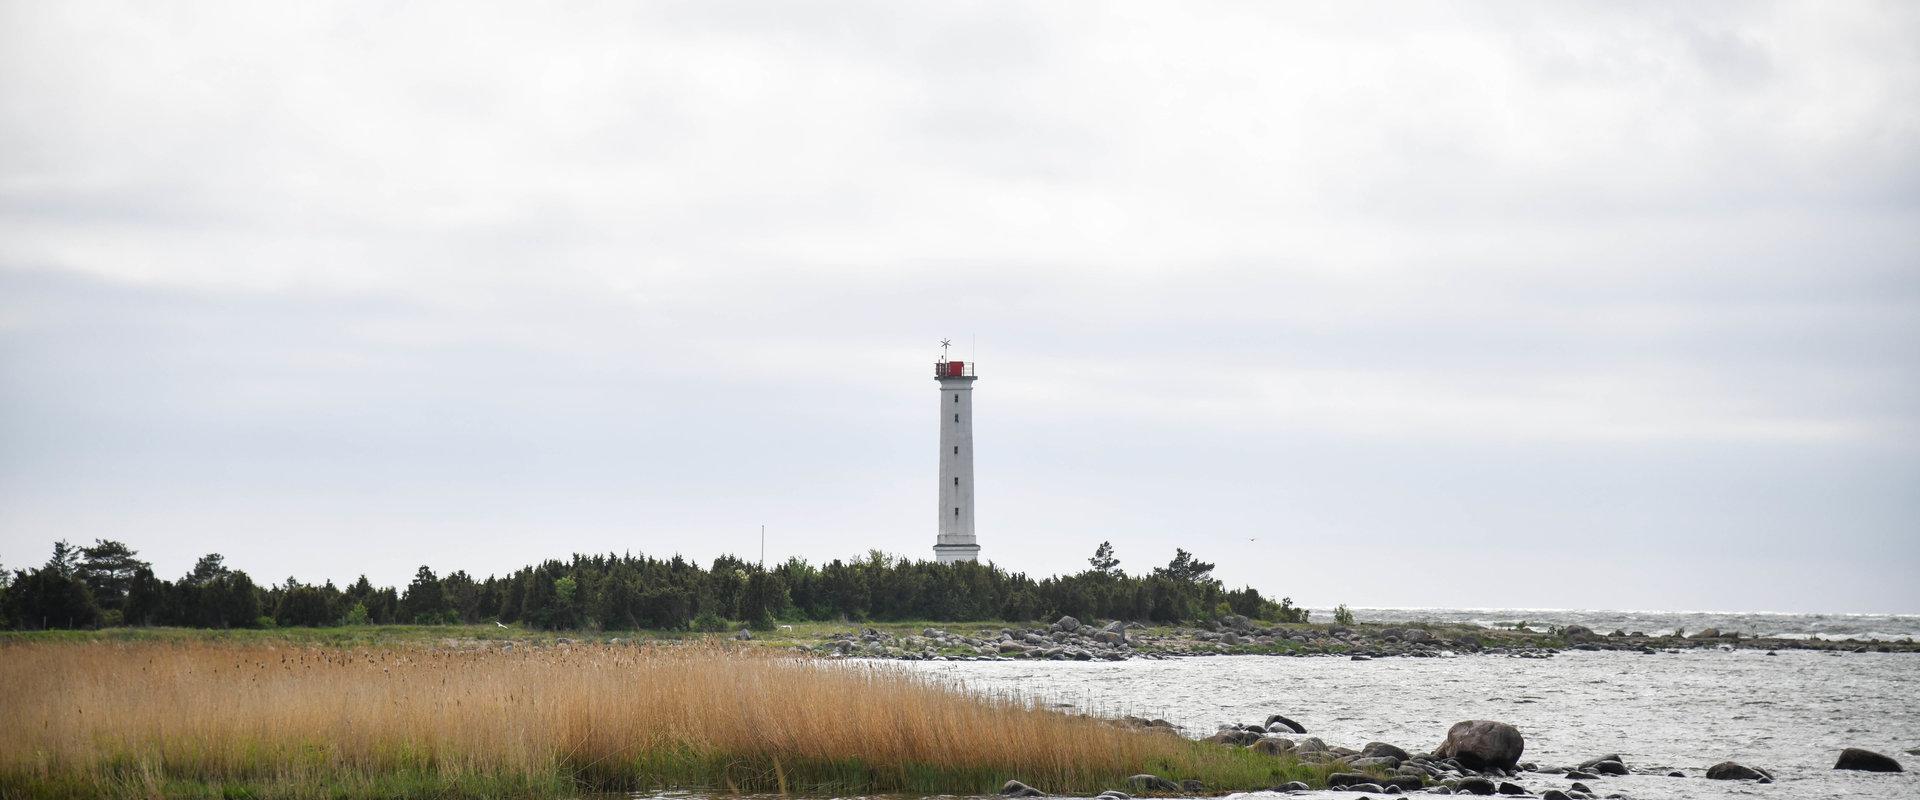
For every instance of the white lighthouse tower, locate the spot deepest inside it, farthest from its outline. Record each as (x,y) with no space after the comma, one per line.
(956,542)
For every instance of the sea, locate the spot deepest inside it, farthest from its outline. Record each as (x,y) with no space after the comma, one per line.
(1881,627)
(1789,713)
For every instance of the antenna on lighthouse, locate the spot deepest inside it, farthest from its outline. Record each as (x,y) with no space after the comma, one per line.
(944,344)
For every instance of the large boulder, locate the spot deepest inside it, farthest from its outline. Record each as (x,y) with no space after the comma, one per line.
(1310,744)
(1066,624)
(1606,765)
(1483,744)
(1380,749)
(1296,727)
(1018,789)
(1866,761)
(1480,786)
(1729,771)
(1271,745)
(1577,633)
(1236,738)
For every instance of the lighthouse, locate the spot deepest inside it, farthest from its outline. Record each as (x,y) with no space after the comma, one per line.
(955,542)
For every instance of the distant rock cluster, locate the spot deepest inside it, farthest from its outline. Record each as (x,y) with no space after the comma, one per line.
(1068,639)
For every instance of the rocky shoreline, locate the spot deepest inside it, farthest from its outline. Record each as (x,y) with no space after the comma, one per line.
(1068,639)
(1476,757)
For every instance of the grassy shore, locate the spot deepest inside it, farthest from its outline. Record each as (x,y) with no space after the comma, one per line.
(299,714)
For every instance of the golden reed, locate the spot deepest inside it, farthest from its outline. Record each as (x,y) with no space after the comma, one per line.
(138,719)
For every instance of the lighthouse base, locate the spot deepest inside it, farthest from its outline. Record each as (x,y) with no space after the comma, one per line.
(955,553)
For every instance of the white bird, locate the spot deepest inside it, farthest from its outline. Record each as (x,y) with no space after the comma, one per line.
(497,622)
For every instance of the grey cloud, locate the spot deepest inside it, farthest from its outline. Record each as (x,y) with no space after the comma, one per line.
(1501,287)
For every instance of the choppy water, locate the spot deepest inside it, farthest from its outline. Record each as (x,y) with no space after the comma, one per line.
(1885,627)
(1790,714)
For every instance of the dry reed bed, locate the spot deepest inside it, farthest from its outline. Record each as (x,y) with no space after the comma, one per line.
(147,719)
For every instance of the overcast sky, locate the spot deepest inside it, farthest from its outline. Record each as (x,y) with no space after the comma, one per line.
(1613,305)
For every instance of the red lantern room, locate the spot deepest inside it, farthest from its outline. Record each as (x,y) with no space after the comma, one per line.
(952,369)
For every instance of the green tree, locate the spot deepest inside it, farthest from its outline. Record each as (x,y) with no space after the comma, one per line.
(108,568)
(1103,561)
(146,602)
(211,567)
(47,598)
(764,598)
(1185,568)
(65,559)
(309,606)
(425,602)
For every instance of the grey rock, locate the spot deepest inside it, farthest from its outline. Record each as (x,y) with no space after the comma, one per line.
(1512,789)
(1676,774)
(1192,785)
(1480,744)
(1407,783)
(1610,766)
(1018,789)
(1378,749)
(1480,786)
(1383,762)
(1271,745)
(1309,744)
(1730,771)
(1580,787)
(1291,786)
(1290,724)
(1344,779)
(1855,758)
(1588,764)
(1152,783)
(1555,794)
(1235,738)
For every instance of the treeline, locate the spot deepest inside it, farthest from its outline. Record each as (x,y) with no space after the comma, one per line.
(107,585)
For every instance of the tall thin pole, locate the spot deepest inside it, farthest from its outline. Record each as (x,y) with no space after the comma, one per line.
(763,547)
